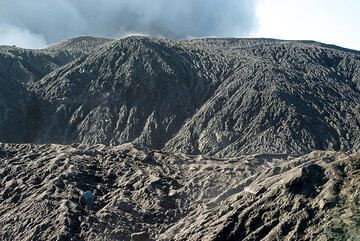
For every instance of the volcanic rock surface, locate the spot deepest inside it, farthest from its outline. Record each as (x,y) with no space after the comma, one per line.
(18,106)
(220,97)
(24,65)
(139,193)
(208,139)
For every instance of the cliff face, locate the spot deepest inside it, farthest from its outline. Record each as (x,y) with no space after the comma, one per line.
(220,97)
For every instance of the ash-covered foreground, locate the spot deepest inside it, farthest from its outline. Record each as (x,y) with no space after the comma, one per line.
(56,192)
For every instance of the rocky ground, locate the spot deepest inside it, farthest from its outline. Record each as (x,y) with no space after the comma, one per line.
(205,107)
(78,192)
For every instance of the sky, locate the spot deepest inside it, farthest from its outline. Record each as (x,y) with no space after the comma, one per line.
(38,23)
(329,21)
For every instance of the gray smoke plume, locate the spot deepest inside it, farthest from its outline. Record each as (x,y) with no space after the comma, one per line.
(36,23)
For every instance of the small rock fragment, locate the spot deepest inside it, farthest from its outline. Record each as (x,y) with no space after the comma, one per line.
(124,206)
(140,236)
(87,198)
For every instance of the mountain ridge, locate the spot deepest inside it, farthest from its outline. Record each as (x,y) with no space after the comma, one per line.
(157,92)
(148,139)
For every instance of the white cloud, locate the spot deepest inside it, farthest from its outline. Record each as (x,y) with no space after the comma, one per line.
(34,23)
(12,35)
(57,20)
(329,21)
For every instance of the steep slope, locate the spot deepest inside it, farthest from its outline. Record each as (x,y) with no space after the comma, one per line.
(54,192)
(213,96)
(24,65)
(291,98)
(19,108)
(78,47)
(137,89)
(15,102)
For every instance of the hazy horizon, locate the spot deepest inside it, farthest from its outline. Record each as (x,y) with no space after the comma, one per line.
(40,23)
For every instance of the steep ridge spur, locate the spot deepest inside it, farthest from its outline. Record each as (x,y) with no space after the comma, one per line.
(136,89)
(290,97)
(18,67)
(211,96)
(26,65)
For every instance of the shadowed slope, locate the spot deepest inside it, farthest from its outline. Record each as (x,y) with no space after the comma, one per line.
(215,96)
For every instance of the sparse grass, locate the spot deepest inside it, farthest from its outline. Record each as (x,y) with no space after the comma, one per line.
(343,221)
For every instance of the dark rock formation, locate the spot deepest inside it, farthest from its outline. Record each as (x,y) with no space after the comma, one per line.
(221,97)
(24,65)
(19,108)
